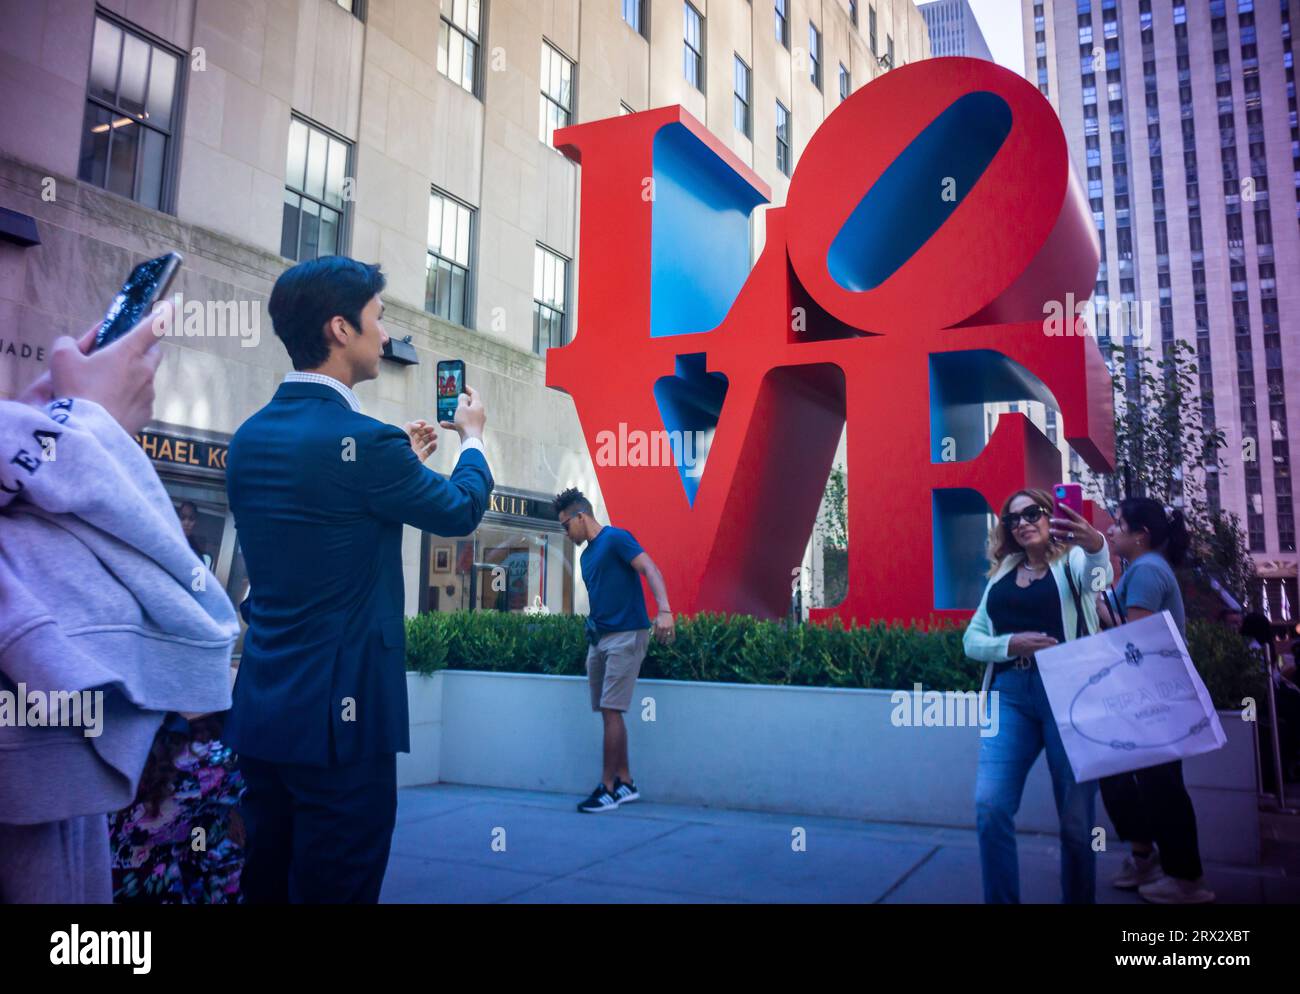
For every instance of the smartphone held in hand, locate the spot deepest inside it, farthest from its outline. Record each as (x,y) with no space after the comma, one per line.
(147,284)
(1067,495)
(451,384)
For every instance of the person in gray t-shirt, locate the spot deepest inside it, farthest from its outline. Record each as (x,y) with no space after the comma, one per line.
(1149,586)
(1150,807)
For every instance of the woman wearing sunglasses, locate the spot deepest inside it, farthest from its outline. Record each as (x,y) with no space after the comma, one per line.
(1039,593)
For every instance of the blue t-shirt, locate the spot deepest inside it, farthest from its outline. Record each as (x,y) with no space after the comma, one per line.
(1149,583)
(613,586)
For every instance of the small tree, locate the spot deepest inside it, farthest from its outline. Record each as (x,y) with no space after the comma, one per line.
(834,522)
(1223,553)
(1164,450)
(834,518)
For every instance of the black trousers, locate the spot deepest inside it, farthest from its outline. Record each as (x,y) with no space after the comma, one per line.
(1152,805)
(317,835)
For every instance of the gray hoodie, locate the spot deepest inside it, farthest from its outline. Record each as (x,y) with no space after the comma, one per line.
(99,590)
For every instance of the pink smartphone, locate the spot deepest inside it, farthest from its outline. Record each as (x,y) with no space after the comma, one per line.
(1067,495)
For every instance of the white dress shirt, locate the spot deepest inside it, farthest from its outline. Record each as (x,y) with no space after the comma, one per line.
(329,381)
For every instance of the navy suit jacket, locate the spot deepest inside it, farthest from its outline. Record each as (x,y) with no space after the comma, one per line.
(320,494)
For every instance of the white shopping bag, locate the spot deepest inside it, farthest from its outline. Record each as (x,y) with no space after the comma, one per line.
(1128,698)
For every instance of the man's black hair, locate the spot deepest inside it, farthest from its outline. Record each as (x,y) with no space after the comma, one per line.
(307,295)
(573,500)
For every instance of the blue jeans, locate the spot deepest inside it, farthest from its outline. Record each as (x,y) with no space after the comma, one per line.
(1026,727)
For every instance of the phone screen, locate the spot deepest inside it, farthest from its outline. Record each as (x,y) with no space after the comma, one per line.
(451,384)
(147,283)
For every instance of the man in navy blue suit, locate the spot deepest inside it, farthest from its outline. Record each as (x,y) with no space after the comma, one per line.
(320,493)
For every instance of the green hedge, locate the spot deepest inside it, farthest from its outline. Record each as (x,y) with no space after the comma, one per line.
(743,649)
(1225,664)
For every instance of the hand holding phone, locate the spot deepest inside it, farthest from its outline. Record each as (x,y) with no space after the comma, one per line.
(459,405)
(1068,525)
(119,377)
(470,416)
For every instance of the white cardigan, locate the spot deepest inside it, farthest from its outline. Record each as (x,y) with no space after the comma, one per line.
(1092,572)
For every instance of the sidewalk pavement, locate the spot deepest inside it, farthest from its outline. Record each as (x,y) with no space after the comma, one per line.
(480,844)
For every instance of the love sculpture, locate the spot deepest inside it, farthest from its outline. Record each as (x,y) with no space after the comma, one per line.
(932,218)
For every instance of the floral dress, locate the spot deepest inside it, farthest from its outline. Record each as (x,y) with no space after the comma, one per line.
(162,859)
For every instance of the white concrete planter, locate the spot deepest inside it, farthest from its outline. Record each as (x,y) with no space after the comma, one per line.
(423,763)
(809,750)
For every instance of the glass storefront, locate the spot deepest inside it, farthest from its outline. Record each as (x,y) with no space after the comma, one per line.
(517,560)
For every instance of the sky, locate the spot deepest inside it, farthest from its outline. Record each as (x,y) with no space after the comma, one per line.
(1000,22)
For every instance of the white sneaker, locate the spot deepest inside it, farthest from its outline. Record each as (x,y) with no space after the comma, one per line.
(1138,870)
(1171,890)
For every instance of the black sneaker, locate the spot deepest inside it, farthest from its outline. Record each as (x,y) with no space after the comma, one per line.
(600,800)
(624,792)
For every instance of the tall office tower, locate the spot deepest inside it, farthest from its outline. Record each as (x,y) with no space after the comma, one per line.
(1181,114)
(954,30)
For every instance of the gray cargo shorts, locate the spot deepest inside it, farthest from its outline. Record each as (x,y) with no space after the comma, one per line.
(613,665)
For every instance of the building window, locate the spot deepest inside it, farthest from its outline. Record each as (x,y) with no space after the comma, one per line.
(814,55)
(447,268)
(871,28)
(846,82)
(782,8)
(692,59)
(782,138)
(853,12)
(889,51)
(355,7)
(550,291)
(742,117)
(314,200)
(131,110)
(634,15)
(557,93)
(458,41)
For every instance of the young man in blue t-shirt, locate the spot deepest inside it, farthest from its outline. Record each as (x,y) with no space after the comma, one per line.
(617,632)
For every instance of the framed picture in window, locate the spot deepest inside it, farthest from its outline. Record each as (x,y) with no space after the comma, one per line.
(442,559)
(464,556)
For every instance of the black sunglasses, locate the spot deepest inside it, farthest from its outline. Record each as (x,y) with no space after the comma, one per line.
(1030,515)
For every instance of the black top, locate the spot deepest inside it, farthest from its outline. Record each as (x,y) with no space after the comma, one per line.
(1035,608)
